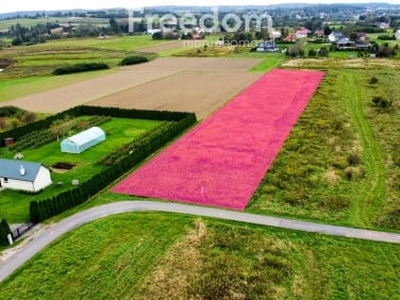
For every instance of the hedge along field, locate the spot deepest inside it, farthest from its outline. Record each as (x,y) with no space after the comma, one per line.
(221,161)
(148,255)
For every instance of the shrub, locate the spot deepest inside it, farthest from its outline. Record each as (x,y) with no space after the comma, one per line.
(373,80)
(334,202)
(9,111)
(353,173)
(386,37)
(396,157)
(391,218)
(353,159)
(3,124)
(78,68)
(133,60)
(312,53)
(29,118)
(4,231)
(381,102)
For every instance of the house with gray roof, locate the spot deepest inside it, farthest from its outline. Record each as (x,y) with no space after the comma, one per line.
(267,46)
(336,36)
(23,175)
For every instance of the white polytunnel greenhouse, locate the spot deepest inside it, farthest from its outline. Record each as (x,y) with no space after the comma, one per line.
(83,140)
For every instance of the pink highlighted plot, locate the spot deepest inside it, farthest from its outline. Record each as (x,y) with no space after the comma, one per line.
(222,160)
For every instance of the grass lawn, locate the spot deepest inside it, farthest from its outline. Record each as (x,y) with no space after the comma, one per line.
(271,60)
(14,206)
(157,255)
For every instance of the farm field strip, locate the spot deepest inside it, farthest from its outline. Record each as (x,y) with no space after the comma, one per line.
(199,63)
(221,161)
(62,98)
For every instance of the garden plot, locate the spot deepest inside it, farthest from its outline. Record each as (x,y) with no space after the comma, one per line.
(221,161)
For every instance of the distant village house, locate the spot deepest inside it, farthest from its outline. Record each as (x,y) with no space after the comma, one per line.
(397,34)
(302,33)
(267,46)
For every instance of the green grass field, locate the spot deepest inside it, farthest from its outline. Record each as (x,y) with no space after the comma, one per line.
(137,256)
(14,206)
(15,88)
(41,59)
(336,165)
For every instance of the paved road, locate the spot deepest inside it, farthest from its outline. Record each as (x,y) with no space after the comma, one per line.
(37,244)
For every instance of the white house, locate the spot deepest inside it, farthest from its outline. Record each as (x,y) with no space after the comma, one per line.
(397,34)
(275,35)
(383,25)
(153,31)
(23,175)
(335,36)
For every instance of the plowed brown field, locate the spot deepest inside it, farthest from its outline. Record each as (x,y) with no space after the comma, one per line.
(195,91)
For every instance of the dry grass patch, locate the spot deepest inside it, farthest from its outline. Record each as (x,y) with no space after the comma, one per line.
(170,278)
(330,176)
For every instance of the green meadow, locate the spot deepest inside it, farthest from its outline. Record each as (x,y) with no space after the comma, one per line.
(167,256)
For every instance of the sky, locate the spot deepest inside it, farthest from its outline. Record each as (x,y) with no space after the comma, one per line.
(46,5)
